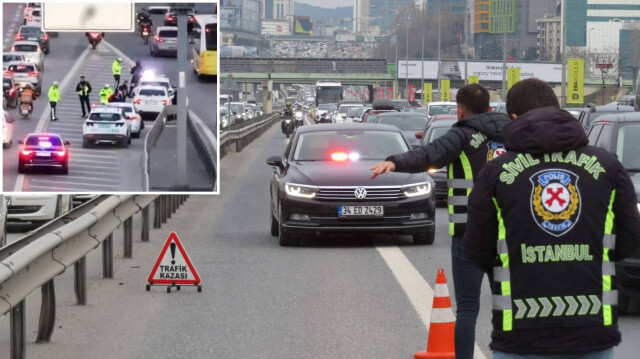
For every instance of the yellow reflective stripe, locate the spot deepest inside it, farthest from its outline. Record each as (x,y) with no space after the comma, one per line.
(502,231)
(452,226)
(606,283)
(605,255)
(608,317)
(466,167)
(507,320)
(608,224)
(506,287)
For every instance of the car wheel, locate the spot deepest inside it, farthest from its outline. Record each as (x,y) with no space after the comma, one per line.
(86,143)
(129,139)
(21,168)
(623,302)
(136,134)
(3,240)
(65,169)
(124,143)
(286,239)
(425,238)
(274,224)
(46,52)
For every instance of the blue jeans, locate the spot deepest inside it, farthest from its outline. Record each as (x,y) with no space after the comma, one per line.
(604,354)
(467,280)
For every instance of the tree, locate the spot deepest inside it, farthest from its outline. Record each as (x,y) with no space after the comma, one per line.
(531,54)
(607,63)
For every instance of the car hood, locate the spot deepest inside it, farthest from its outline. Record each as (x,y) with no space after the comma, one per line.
(348,173)
(410,135)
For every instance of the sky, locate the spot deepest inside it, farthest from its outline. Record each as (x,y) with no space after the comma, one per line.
(328,3)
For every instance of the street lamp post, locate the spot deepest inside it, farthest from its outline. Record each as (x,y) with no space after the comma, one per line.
(422,53)
(589,50)
(504,52)
(406,61)
(439,37)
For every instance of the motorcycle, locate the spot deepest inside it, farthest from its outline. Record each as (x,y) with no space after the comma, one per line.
(94,39)
(145,31)
(25,110)
(299,120)
(288,127)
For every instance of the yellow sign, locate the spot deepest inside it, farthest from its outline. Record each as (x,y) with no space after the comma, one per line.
(576,81)
(445,90)
(474,79)
(513,76)
(428,93)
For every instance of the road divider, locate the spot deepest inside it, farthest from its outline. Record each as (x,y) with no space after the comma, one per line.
(35,260)
(206,143)
(244,133)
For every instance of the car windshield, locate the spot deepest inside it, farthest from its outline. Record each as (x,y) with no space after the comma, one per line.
(30,30)
(168,33)
(344,109)
(127,109)
(354,144)
(404,123)
(441,109)
(152,92)
(437,132)
(416,109)
(35,13)
(104,117)
(327,108)
(25,48)
(224,111)
(11,57)
(43,141)
(237,108)
(21,68)
(628,147)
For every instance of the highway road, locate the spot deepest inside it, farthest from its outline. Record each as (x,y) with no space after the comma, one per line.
(334,297)
(103,168)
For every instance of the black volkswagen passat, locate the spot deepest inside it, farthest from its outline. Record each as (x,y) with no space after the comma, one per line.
(322,184)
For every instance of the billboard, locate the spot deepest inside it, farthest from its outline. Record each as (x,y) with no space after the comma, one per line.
(302,25)
(485,70)
(576,81)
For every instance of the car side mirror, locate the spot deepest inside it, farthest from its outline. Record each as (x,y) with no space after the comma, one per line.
(275,161)
(21,142)
(415,145)
(67,143)
(419,134)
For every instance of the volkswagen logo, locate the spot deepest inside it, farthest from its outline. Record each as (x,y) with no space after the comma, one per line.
(360,193)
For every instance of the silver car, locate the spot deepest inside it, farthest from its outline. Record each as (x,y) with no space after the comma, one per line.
(31,51)
(165,41)
(24,72)
(11,56)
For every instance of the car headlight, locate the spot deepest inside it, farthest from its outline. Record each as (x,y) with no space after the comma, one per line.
(303,191)
(418,189)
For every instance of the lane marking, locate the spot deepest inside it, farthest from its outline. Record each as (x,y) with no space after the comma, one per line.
(414,286)
(76,183)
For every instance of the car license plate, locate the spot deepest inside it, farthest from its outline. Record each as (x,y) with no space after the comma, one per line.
(104,125)
(347,211)
(33,39)
(43,154)
(7,200)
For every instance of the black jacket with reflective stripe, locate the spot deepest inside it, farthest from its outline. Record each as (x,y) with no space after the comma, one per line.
(559,204)
(476,137)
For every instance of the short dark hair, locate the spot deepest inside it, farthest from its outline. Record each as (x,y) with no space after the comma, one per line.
(528,94)
(473,98)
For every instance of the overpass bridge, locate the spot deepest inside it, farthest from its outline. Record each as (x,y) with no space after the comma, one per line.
(303,65)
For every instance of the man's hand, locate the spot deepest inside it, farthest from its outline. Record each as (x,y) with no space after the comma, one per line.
(382,167)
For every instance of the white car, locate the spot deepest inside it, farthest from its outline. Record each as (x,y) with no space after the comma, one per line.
(341,115)
(28,10)
(37,208)
(106,125)
(3,221)
(31,51)
(151,79)
(34,17)
(7,130)
(130,113)
(8,57)
(150,99)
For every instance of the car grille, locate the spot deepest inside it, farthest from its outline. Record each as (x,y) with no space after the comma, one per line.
(332,193)
(23,209)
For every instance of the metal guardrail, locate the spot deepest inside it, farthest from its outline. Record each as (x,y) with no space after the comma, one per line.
(206,143)
(36,259)
(245,132)
(150,140)
(302,65)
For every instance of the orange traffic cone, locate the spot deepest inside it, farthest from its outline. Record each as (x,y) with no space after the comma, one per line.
(440,344)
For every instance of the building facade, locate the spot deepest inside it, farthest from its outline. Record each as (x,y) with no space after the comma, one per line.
(241,18)
(549,37)
(598,22)
(278,9)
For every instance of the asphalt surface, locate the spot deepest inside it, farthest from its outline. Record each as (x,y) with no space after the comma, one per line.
(334,297)
(105,168)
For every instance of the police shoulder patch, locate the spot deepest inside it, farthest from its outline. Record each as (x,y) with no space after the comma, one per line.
(495,149)
(555,200)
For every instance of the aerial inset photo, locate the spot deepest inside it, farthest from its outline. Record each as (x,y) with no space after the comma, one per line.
(103,97)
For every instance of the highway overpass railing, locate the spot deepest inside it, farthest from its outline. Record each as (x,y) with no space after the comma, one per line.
(302,65)
(206,143)
(34,261)
(238,136)
(150,140)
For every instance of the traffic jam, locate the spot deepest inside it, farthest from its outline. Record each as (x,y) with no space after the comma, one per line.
(121,91)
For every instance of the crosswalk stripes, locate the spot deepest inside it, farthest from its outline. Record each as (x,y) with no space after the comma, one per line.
(95,169)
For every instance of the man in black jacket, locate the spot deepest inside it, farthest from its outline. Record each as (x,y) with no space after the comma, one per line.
(475,139)
(550,218)
(83,88)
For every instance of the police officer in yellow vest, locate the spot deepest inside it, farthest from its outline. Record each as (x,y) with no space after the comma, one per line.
(470,143)
(83,88)
(116,69)
(54,97)
(105,93)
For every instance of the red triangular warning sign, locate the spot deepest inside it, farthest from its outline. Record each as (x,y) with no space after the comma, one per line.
(173,266)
